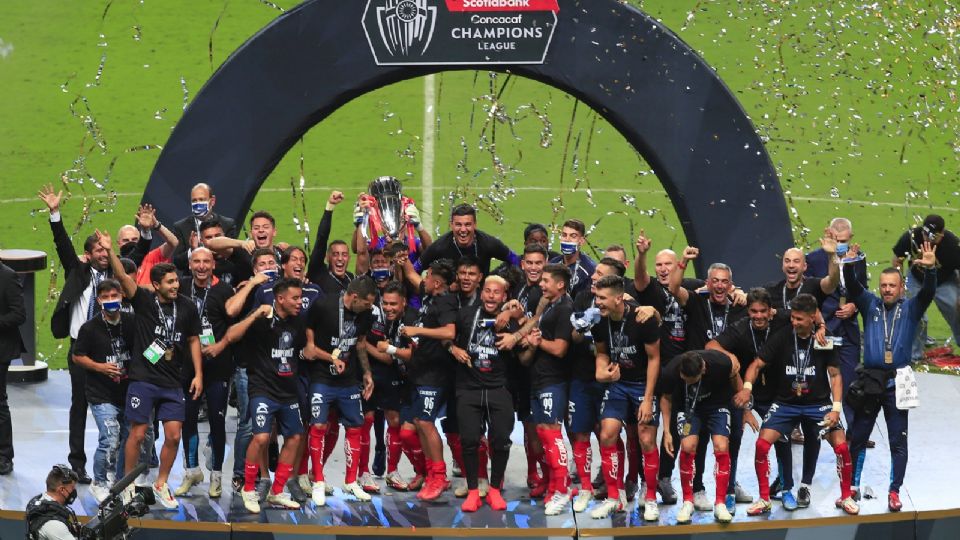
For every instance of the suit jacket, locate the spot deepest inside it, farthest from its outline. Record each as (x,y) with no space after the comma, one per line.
(12,314)
(182,230)
(77,279)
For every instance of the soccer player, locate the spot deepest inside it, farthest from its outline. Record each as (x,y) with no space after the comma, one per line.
(572,235)
(465,239)
(482,395)
(274,335)
(628,359)
(329,264)
(890,324)
(807,378)
(337,352)
(794,265)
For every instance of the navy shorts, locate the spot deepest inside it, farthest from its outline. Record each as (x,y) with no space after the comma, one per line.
(429,403)
(387,396)
(621,401)
(548,405)
(263,410)
(346,398)
(144,398)
(783,417)
(713,421)
(583,407)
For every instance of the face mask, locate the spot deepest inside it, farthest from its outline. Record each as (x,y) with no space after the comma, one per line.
(201,208)
(380,274)
(127,249)
(569,248)
(70,498)
(842,248)
(272,274)
(112,306)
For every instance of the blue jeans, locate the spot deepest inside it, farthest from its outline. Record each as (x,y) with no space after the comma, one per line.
(946,300)
(147,449)
(113,429)
(244,428)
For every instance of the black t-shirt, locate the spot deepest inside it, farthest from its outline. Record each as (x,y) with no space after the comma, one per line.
(211,304)
(431,363)
(381,330)
(104,342)
(548,369)
(310,292)
(625,341)
(583,355)
(336,327)
(948,254)
(528,296)
(484,248)
(745,343)
(330,284)
(275,345)
(235,269)
(673,329)
(781,295)
(794,364)
(714,390)
(476,335)
(707,319)
(164,373)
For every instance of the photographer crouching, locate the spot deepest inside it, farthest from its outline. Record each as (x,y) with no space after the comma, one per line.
(49,516)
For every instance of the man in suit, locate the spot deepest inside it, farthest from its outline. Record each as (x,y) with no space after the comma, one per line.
(12,315)
(202,201)
(77,304)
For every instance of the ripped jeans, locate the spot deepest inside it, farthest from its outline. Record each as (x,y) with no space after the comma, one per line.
(113,429)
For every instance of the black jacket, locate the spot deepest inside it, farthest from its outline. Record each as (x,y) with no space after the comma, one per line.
(187,225)
(12,314)
(76,280)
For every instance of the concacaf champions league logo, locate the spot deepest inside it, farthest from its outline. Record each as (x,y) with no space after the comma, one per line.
(406,26)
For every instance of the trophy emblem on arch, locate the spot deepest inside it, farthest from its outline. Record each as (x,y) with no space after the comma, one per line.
(388,215)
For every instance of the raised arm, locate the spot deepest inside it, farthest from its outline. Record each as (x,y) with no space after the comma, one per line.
(319,253)
(235,303)
(61,240)
(829,244)
(641,278)
(676,277)
(928,261)
(128,283)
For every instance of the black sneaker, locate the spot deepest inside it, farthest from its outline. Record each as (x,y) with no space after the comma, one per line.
(631,488)
(379,461)
(775,488)
(6,466)
(667,494)
(82,476)
(803,497)
(237,484)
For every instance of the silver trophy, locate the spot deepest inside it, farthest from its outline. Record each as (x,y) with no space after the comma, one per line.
(385,213)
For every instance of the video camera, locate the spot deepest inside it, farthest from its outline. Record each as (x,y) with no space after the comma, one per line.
(112,514)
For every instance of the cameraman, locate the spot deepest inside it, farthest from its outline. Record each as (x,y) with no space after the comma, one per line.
(49,516)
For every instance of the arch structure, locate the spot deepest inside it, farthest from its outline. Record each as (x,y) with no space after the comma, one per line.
(651,86)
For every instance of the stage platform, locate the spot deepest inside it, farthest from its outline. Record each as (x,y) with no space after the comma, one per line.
(931,494)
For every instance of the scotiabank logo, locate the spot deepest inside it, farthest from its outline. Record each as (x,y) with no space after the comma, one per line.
(503,5)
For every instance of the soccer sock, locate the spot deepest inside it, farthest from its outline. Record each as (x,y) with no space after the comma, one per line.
(844,468)
(394,448)
(281,477)
(633,459)
(351,450)
(687,470)
(453,441)
(531,452)
(411,447)
(250,470)
(333,433)
(315,447)
(762,464)
(582,454)
(560,451)
(651,468)
(304,467)
(549,459)
(622,456)
(721,475)
(365,444)
(482,456)
(610,465)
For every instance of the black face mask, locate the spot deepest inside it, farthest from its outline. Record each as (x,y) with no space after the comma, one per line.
(71,497)
(127,249)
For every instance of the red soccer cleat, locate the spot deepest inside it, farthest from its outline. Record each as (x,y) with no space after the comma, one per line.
(432,489)
(473,502)
(893,502)
(495,499)
(540,489)
(416,483)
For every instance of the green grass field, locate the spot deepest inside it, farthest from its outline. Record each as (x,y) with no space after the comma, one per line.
(858,106)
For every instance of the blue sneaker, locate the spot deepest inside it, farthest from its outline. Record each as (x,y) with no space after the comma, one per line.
(789,502)
(731,503)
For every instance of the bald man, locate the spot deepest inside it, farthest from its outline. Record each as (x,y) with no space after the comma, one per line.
(202,201)
(794,283)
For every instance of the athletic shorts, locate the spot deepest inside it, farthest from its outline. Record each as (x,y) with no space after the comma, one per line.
(548,405)
(387,396)
(429,403)
(144,398)
(714,421)
(783,417)
(263,410)
(583,407)
(345,398)
(621,401)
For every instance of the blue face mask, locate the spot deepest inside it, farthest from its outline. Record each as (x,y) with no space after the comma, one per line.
(200,209)
(842,248)
(380,274)
(272,274)
(569,248)
(112,306)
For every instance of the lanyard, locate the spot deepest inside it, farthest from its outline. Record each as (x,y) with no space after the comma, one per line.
(617,343)
(801,363)
(753,336)
(340,324)
(472,300)
(888,336)
(713,322)
(201,306)
(692,403)
(169,323)
(475,253)
(473,328)
(783,291)
(113,345)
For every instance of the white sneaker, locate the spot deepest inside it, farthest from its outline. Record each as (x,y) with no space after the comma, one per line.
(143,480)
(685,514)
(128,494)
(303,480)
(741,495)
(609,506)
(701,502)
(99,491)
(328,489)
(368,483)
(354,489)
(483,485)
(651,512)
(282,500)
(251,501)
(191,477)
(582,500)
(318,492)
(164,497)
(557,503)
(461,490)
(216,484)
(721,514)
